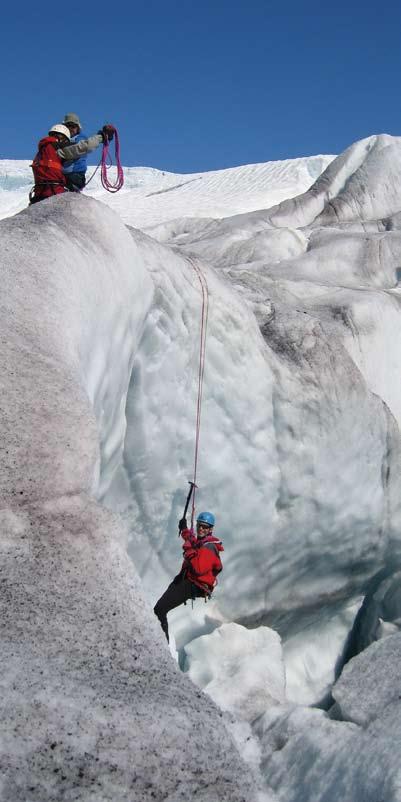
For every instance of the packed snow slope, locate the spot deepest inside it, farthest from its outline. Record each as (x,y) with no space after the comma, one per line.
(300,455)
(151,196)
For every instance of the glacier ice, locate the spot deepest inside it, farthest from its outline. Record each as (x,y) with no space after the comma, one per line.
(249,660)
(92,705)
(300,460)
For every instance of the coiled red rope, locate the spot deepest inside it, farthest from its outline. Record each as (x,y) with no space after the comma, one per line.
(106,163)
(201,371)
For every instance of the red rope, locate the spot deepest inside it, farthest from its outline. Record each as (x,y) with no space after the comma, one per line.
(201,371)
(105,166)
(93,174)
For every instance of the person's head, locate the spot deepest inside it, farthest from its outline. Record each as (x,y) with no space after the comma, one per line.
(72,122)
(61,133)
(205,523)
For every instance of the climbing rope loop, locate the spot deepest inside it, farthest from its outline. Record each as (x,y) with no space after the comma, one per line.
(106,163)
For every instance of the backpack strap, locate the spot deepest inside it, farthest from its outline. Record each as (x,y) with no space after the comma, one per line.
(212,546)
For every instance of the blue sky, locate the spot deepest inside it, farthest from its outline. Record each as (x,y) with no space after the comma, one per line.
(195,87)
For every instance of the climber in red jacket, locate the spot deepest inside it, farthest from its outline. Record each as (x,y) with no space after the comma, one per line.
(198,575)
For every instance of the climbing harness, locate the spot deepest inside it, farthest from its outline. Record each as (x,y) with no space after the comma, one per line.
(31,196)
(201,371)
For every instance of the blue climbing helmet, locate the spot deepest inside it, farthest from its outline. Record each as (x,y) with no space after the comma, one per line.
(206,518)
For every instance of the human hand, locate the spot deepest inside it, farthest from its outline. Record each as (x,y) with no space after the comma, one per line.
(108,132)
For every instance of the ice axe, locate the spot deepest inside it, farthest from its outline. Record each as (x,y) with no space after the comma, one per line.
(191,490)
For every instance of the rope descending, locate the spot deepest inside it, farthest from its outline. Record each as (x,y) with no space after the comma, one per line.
(201,370)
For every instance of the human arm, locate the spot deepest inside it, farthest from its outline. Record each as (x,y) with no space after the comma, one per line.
(188,537)
(72,152)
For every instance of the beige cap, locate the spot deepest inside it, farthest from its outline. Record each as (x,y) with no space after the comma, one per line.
(72,118)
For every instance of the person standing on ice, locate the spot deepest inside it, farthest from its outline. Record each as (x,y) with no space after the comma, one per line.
(53,151)
(198,575)
(75,169)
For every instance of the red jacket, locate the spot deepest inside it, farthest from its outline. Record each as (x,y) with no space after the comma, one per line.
(48,170)
(201,559)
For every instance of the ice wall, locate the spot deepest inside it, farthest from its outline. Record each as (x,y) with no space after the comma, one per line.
(92,706)
(298,478)
(353,753)
(300,449)
(321,273)
(314,514)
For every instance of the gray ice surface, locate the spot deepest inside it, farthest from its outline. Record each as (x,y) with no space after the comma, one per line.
(92,705)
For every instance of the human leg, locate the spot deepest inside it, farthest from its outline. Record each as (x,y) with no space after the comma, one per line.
(75,181)
(178,592)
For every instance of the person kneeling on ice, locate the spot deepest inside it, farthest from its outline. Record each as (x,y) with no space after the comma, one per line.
(198,575)
(53,151)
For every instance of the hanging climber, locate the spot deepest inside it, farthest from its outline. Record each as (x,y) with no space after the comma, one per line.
(75,169)
(198,575)
(53,151)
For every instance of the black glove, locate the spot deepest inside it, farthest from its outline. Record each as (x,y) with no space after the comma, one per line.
(108,132)
(182,524)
